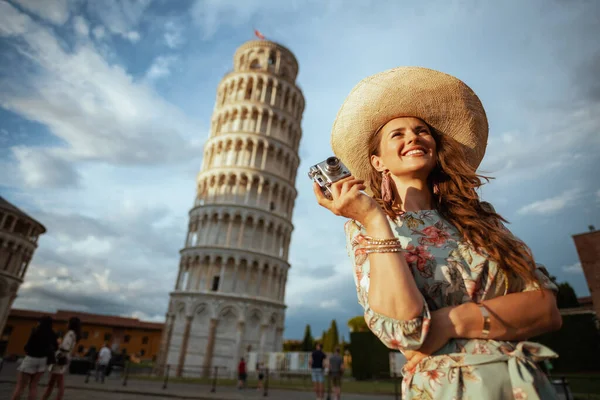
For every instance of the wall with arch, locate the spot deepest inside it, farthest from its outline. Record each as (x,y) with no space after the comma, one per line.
(240,326)
(243,275)
(251,152)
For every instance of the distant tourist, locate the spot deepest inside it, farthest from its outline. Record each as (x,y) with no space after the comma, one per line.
(62,359)
(103,360)
(242,375)
(40,345)
(261,375)
(316,364)
(336,371)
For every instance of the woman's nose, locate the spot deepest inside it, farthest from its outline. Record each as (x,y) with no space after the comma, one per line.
(411,137)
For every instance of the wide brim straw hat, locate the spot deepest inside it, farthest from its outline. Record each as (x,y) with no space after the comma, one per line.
(441,100)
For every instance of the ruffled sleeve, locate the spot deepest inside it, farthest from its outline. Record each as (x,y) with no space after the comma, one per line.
(544,280)
(395,334)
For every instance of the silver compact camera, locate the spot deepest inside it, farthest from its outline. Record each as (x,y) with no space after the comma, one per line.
(327,172)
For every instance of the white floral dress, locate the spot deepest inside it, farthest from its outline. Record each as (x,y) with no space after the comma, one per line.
(449,272)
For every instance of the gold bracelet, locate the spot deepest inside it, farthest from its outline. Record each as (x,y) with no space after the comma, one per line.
(485,332)
(383,249)
(382,242)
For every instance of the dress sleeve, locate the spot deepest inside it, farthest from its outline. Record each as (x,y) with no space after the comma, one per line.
(395,334)
(544,281)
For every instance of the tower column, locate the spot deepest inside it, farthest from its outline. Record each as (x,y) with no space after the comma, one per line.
(184,344)
(210,347)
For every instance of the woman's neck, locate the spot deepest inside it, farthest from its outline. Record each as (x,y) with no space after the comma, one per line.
(413,195)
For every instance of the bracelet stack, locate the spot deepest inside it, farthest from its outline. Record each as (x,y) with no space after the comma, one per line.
(382,245)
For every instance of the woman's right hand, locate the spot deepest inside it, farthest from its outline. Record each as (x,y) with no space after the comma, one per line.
(348,200)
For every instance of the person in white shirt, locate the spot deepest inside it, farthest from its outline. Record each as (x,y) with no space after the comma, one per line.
(104,357)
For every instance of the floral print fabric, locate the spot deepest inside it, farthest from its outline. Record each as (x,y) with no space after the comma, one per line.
(449,272)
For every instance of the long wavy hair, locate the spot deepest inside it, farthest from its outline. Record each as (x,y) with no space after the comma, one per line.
(453,184)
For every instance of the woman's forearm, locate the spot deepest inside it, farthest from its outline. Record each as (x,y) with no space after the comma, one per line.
(517,316)
(392,290)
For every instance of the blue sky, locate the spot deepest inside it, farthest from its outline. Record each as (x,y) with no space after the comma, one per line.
(105,106)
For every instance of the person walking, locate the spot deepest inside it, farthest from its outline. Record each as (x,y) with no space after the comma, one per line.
(438,274)
(40,346)
(62,359)
(316,364)
(336,372)
(104,357)
(261,375)
(242,374)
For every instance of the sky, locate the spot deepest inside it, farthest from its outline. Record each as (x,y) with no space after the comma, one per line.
(105,106)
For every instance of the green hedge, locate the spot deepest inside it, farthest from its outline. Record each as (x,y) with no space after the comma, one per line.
(370,357)
(577,343)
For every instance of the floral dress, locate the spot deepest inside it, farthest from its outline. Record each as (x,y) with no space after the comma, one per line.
(449,272)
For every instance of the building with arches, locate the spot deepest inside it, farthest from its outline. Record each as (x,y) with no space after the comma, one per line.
(229,294)
(19,234)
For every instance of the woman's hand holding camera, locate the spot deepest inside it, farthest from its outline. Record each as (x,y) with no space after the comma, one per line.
(348,201)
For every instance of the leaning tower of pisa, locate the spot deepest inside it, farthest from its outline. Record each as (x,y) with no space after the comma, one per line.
(229,295)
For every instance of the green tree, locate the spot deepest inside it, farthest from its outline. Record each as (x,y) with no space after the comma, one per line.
(566,297)
(333,335)
(308,341)
(323,340)
(358,324)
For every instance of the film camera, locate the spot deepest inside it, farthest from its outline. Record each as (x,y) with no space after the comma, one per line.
(327,172)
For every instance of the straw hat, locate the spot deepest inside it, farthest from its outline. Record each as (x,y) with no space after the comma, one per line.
(441,100)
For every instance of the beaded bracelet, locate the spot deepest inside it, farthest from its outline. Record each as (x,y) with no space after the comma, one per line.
(382,242)
(383,249)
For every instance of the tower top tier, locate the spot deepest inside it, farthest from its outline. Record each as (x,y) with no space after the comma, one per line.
(267,56)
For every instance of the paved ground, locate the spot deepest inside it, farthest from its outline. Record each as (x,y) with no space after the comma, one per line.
(77,389)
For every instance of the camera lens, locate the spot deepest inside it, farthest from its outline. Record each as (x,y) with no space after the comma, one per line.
(333,165)
(332,161)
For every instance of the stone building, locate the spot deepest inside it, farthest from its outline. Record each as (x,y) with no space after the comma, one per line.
(19,234)
(229,295)
(588,249)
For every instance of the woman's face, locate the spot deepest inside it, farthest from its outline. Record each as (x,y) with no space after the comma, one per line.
(406,148)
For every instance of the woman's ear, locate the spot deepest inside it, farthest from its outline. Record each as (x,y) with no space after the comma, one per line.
(377,163)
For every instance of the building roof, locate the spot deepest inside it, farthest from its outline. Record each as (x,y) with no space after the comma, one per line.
(585,301)
(89,319)
(7,206)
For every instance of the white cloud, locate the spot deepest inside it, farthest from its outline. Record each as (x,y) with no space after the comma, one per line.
(54,11)
(553,142)
(12,21)
(44,168)
(97,109)
(120,17)
(161,67)
(551,205)
(99,32)
(210,15)
(81,26)
(573,269)
(174,34)
(132,36)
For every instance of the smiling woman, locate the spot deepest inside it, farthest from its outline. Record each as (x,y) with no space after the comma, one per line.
(439,276)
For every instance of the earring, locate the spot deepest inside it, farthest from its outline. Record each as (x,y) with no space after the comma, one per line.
(436,189)
(387,194)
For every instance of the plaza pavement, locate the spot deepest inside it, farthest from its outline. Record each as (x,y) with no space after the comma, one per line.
(77,389)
